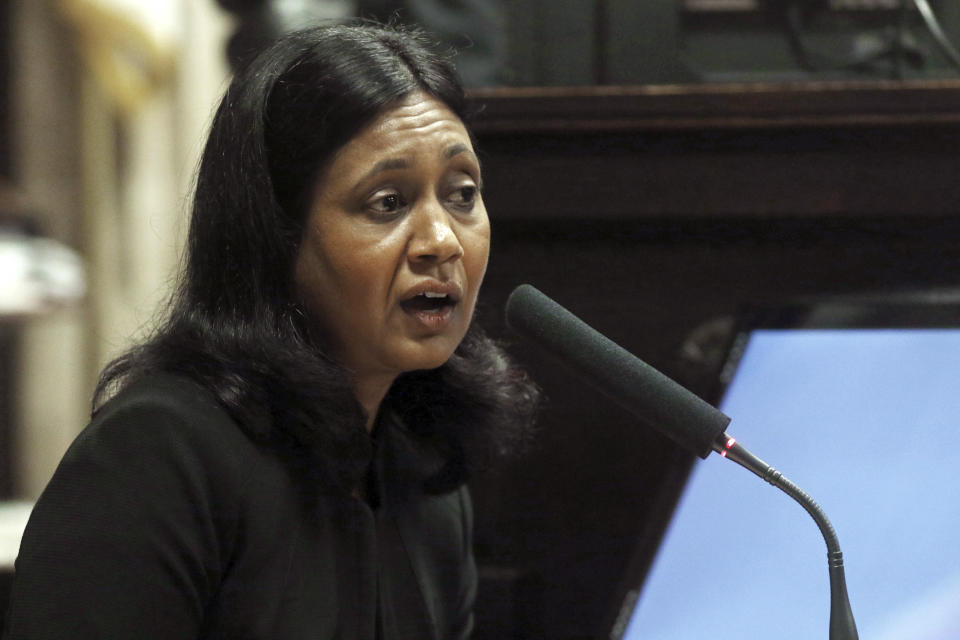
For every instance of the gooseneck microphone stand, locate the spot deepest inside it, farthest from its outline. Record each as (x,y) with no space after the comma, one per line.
(663,404)
(842,625)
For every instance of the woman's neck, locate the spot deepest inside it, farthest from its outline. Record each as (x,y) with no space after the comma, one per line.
(370,392)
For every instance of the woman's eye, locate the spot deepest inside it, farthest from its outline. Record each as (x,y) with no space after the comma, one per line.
(387,204)
(464,197)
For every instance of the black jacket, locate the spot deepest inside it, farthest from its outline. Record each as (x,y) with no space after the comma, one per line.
(164,520)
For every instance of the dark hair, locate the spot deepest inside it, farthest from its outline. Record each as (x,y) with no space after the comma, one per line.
(235,325)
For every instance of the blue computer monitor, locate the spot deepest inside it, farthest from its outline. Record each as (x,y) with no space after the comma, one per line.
(859,406)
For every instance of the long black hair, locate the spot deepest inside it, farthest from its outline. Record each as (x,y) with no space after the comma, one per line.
(235,325)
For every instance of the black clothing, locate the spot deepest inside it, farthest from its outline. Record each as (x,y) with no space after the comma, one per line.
(164,520)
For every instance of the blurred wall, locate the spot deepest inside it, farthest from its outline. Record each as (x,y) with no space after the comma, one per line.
(45,167)
(108,170)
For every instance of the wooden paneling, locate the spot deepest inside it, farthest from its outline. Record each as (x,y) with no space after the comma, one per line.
(654,212)
(728,106)
(726,150)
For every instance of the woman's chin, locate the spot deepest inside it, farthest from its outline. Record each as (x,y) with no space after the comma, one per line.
(427,356)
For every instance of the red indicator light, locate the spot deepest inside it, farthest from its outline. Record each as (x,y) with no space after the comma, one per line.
(728,446)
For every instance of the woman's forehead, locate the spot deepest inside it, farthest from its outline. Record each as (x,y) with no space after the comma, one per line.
(418,112)
(419,123)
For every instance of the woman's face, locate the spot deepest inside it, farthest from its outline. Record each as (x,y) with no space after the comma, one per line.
(396,242)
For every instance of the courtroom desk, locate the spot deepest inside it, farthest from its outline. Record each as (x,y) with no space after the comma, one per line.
(721,151)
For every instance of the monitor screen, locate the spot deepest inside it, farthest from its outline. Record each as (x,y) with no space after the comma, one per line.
(866,421)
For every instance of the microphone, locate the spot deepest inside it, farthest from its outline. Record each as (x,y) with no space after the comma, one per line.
(666,406)
(657,400)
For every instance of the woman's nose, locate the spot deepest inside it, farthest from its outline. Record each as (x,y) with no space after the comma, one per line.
(434,239)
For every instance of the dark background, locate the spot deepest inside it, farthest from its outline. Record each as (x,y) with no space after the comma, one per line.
(580,42)
(658,231)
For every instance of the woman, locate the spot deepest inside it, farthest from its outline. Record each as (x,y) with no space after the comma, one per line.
(286,457)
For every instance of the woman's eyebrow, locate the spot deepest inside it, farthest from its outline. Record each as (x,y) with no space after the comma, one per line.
(389,164)
(457,149)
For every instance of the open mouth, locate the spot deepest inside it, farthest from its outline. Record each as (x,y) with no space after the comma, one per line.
(428,302)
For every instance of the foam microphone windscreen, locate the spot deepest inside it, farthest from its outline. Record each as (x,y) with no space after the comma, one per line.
(657,400)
